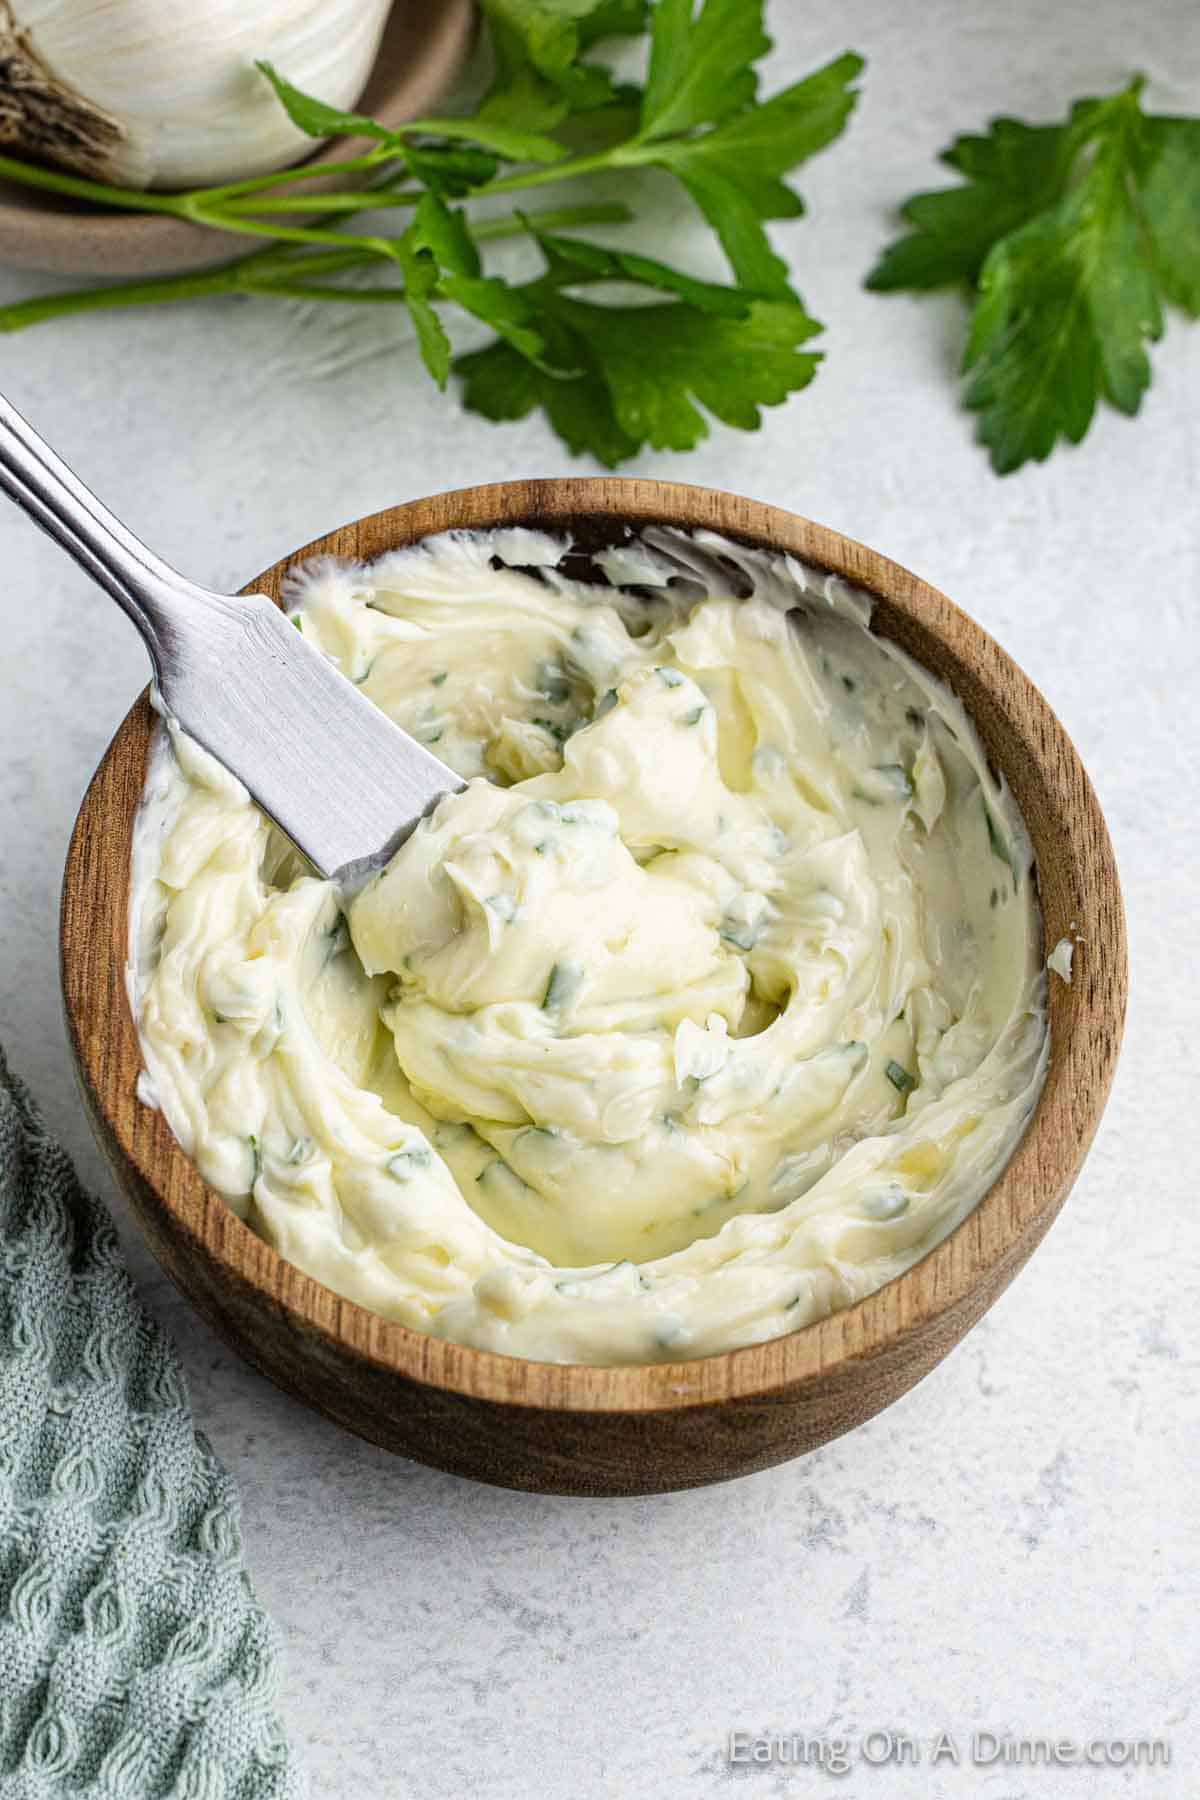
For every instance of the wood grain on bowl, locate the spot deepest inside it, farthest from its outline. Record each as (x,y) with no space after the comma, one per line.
(625,1430)
(422,51)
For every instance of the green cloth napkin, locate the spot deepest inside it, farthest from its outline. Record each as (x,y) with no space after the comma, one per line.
(135,1661)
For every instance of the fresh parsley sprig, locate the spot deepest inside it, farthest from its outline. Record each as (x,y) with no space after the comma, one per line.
(636,373)
(1072,239)
(619,351)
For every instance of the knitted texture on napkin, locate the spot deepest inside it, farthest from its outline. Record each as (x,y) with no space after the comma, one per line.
(135,1661)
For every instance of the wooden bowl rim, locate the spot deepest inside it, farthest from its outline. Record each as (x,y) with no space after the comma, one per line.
(1021,1200)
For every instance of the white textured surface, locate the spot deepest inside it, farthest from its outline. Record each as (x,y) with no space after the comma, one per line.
(1013,1546)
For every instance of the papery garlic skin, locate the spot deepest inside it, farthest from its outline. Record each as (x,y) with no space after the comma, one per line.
(154,94)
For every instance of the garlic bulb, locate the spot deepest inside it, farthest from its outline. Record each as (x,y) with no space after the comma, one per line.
(164,93)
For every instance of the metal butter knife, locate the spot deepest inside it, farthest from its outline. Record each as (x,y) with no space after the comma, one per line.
(343,782)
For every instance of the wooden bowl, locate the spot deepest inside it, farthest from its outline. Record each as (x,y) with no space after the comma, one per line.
(626,1430)
(422,50)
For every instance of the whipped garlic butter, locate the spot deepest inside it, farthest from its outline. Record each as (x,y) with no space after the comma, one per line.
(712,1003)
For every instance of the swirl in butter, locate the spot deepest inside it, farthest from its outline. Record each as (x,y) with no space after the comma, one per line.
(711,1004)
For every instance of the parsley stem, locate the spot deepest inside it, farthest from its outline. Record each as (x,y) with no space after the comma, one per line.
(368,199)
(561,171)
(305,171)
(553,218)
(294,234)
(267,271)
(279,270)
(386,247)
(77,188)
(133,293)
(265,267)
(185,205)
(319,290)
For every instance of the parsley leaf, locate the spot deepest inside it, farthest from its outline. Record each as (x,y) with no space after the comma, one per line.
(1170,208)
(734,172)
(656,360)
(702,119)
(572,261)
(644,371)
(317,120)
(701,69)
(1014,172)
(314,117)
(450,169)
(612,18)
(540,78)
(502,386)
(439,260)
(1072,238)
(419,265)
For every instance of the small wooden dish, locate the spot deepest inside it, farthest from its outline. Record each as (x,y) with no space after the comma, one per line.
(422,50)
(629,1430)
